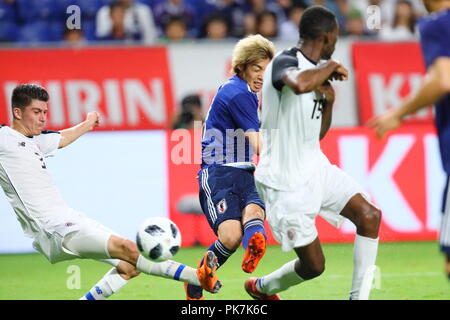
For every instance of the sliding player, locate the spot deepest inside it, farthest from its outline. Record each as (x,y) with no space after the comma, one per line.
(59,232)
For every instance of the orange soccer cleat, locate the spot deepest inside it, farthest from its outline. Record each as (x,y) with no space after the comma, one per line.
(192,293)
(254,253)
(206,273)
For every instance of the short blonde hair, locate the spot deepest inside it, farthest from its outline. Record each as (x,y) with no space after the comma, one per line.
(250,50)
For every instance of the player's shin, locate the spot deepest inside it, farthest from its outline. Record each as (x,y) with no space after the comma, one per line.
(168,269)
(364,256)
(279,280)
(109,284)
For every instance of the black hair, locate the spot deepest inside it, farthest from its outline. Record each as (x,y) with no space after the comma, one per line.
(316,20)
(23,95)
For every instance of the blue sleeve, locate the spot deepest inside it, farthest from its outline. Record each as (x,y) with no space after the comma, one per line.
(244,111)
(435,37)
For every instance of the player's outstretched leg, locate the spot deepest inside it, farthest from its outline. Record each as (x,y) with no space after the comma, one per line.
(204,276)
(114,280)
(124,249)
(222,253)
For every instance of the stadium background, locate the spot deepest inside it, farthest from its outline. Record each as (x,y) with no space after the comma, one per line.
(135,166)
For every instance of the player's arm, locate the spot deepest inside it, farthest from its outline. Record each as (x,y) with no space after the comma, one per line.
(435,85)
(71,134)
(254,139)
(308,80)
(327,90)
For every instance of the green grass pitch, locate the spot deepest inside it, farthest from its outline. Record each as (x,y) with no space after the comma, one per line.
(409,270)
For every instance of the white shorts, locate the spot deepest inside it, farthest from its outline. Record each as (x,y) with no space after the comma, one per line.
(291,214)
(80,237)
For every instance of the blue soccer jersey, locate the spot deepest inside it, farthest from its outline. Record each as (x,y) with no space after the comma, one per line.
(233,112)
(435,42)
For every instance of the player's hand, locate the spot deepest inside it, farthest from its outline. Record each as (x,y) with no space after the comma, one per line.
(328,91)
(93,118)
(385,122)
(340,73)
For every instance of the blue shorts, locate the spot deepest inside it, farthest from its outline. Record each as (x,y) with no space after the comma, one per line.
(225,192)
(444,232)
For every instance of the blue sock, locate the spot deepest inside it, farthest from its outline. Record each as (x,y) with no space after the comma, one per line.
(250,228)
(222,253)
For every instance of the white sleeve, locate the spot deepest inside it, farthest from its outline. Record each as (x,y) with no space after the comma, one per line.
(48,142)
(146,23)
(103,22)
(2,139)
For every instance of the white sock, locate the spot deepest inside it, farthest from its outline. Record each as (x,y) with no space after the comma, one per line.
(109,284)
(168,269)
(279,280)
(364,256)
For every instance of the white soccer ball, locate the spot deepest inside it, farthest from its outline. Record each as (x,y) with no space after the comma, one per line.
(158,239)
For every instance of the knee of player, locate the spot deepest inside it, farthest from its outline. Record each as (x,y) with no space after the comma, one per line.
(128,248)
(132,272)
(371,216)
(314,270)
(231,240)
(127,271)
(254,211)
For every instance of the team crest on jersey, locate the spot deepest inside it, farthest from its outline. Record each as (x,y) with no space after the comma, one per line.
(291,234)
(222,206)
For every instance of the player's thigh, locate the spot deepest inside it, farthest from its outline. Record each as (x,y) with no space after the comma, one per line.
(91,241)
(218,197)
(291,216)
(337,188)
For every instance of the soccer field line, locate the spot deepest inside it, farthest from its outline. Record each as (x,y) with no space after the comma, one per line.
(392,275)
(383,275)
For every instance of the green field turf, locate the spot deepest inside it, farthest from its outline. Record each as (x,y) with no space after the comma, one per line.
(408,271)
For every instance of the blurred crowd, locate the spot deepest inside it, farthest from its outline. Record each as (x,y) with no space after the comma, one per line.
(163,21)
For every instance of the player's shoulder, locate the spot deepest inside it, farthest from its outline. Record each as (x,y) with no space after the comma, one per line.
(290,52)
(235,87)
(286,54)
(286,59)
(434,21)
(4,129)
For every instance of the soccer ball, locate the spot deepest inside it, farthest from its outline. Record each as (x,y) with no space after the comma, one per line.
(158,239)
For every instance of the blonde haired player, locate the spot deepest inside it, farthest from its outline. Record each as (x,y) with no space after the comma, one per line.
(228,193)
(294,177)
(59,232)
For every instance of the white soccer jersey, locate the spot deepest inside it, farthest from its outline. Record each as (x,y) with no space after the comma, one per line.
(290,125)
(26,181)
